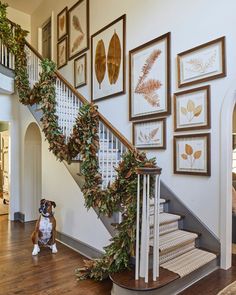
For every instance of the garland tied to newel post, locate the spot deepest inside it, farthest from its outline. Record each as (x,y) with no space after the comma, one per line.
(120,196)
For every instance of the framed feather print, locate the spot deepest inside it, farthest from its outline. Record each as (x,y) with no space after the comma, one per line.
(62,24)
(149,79)
(150,134)
(78,18)
(62,46)
(108,60)
(202,63)
(80,71)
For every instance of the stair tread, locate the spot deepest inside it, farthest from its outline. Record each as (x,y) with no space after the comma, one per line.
(168,218)
(189,262)
(174,240)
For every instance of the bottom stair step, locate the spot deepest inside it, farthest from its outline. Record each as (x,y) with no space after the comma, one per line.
(189,262)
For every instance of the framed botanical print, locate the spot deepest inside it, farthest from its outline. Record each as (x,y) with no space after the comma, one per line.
(192,109)
(80,71)
(150,134)
(202,63)
(62,50)
(149,81)
(192,154)
(78,19)
(108,60)
(62,24)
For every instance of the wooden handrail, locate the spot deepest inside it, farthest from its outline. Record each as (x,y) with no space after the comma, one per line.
(127,143)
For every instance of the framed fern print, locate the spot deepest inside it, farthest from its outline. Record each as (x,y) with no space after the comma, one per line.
(202,63)
(192,154)
(149,80)
(192,109)
(78,19)
(108,60)
(150,134)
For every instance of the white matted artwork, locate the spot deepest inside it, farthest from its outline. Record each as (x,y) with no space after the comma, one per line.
(108,60)
(202,63)
(192,154)
(149,83)
(150,134)
(78,19)
(62,23)
(80,71)
(62,47)
(192,109)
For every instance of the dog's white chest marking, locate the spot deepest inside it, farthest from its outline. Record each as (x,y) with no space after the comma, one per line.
(45,227)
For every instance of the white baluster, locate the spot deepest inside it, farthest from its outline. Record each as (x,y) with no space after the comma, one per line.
(137,232)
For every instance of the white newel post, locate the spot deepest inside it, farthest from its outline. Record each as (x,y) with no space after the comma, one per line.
(149,187)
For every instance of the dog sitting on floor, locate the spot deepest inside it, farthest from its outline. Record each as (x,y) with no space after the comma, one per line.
(44,233)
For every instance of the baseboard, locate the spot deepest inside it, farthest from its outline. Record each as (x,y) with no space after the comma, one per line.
(79,246)
(19,216)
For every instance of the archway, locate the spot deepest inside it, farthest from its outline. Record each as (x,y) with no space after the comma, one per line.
(226,177)
(32,181)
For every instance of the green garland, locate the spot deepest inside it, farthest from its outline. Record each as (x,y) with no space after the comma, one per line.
(120,196)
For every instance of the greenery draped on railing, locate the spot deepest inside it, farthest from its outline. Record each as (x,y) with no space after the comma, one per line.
(84,140)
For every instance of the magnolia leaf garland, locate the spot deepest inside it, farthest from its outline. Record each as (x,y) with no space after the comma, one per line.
(84,140)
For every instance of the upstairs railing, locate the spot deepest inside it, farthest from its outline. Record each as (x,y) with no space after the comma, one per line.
(112,146)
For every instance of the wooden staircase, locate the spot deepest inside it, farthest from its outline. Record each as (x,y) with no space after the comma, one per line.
(182,261)
(180,258)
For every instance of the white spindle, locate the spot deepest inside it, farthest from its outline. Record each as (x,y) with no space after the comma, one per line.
(137,232)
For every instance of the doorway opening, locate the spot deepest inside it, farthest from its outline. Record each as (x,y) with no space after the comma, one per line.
(4,168)
(47,39)
(32,173)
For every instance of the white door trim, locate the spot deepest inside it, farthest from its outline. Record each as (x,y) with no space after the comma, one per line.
(226,176)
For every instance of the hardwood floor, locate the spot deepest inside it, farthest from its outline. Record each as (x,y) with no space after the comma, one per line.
(47,273)
(213,283)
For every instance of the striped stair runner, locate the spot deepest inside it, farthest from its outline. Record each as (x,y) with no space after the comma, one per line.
(178,252)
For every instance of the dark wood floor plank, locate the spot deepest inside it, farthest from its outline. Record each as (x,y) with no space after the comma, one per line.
(44,274)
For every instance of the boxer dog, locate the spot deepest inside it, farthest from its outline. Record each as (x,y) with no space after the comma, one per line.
(45,229)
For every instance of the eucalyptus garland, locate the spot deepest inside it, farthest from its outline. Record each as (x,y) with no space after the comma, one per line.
(120,196)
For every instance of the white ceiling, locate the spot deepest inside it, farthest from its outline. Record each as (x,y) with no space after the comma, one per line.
(27,6)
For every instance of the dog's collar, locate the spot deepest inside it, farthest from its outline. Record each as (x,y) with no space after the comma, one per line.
(47,216)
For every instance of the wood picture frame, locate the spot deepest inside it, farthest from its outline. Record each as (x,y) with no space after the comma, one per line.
(192,154)
(108,60)
(80,71)
(192,109)
(150,79)
(149,134)
(202,63)
(62,24)
(62,51)
(78,28)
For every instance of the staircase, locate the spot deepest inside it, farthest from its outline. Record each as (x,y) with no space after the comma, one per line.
(182,260)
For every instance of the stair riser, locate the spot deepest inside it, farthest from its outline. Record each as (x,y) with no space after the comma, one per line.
(162,209)
(166,228)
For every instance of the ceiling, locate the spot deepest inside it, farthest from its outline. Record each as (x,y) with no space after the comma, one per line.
(27,6)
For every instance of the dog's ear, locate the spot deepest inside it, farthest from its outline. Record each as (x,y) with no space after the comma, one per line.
(53,204)
(42,201)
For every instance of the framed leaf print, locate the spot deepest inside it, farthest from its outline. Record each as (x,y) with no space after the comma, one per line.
(192,154)
(62,50)
(62,24)
(150,134)
(80,71)
(78,18)
(108,60)
(202,63)
(192,109)
(149,81)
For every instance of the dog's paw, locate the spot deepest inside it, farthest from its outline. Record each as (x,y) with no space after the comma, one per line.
(54,249)
(36,250)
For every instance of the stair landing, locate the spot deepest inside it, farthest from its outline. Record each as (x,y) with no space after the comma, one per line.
(126,279)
